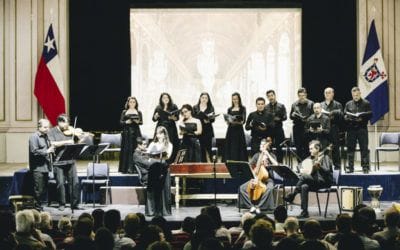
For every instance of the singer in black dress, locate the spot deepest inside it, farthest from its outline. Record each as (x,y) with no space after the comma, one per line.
(235,141)
(204,111)
(130,120)
(166,114)
(190,128)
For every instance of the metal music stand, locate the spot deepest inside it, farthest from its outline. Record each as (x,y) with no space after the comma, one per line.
(286,174)
(240,170)
(66,153)
(95,151)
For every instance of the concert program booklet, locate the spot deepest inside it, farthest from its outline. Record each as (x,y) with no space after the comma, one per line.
(189,128)
(166,114)
(204,116)
(233,118)
(358,114)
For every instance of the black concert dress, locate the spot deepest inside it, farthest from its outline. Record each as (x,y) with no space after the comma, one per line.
(235,140)
(208,131)
(191,143)
(128,142)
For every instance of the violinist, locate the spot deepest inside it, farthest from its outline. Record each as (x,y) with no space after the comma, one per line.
(320,177)
(256,194)
(39,160)
(65,169)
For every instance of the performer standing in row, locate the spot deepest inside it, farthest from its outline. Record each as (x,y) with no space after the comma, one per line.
(235,140)
(60,136)
(190,128)
(260,123)
(39,160)
(204,111)
(334,110)
(321,176)
(158,191)
(318,126)
(166,114)
(260,163)
(357,113)
(300,111)
(130,119)
(278,112)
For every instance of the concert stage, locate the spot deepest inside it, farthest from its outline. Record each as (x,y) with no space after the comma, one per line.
(388,177)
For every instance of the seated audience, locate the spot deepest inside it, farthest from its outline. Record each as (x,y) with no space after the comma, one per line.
(26,233)
(261,234)
(45,237)
(343,226)
(159,245)
(350,241)
(131,226)
(291,227)
(220,230)
(188,226)
(205,228)
(151,234)
(104,239)
(312,233)
(162,223)
(280,215)
(363,221)
(112,221)
(388,237)
(98,218)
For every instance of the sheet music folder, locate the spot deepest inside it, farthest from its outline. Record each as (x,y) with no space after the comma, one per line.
(69,152)
(240,170)
(285,172)
(92,150)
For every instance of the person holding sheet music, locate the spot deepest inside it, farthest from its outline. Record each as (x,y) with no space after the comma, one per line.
(131,119)
(204,111)
(235,140)
(40,163)
(158,191)
(166,114)
(65,169)
(264,158)
(318,126)
(260,124)
(357,113)
(319,176)
(190,128)
(278,112)
(334,110)
(300,111)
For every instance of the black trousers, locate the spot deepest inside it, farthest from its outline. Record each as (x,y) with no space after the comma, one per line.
(40,180)
(300,141)
(360,135)
(266,202)
(278,136)
(334,139)
(305,184)
(63,173)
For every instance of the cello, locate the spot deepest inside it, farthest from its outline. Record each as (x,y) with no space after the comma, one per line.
(256,187)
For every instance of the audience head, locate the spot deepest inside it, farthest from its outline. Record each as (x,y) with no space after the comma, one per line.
(350,241)
(364,220)
(280,214)
(98,217)
(291,225)
(247,226)
(392,218)
(159,245)
(312,230)
(112,220)
(189,225)
(162,223)
(261,234)
(211,244)
(287,244)
(142,221)
(131,225)
(151,233)
(83,227)
(214,213)
(104,239)
(36,216)
(46,221)
(64,225)
(24,221)
(245,217)
(266,218)
(343,223)
(312,244)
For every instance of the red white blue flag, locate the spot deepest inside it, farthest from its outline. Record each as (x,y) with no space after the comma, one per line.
(374,78)
(49,81)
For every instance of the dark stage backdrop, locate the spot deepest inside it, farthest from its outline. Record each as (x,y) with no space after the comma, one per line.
(100,51)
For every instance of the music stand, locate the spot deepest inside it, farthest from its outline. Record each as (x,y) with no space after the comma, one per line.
(67,153)
(95,151)
(286,174)
(240,170)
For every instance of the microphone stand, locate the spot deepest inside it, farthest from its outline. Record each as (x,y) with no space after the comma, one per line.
(214,158)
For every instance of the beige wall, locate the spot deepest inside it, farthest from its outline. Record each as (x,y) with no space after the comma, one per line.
(23,24)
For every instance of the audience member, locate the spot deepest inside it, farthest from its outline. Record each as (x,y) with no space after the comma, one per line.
(26,233)
(220,230)
(98,218)
(162,223)
(151,233)
(280,215)
(159,245)
(363,221)
(291,227)
(350,241)
(343,226)
(131,226)
(205,228)
(211,244)
(112,221)
(45,237)
(104,239)
(388,237)
(261,234)
(7,230)
(312,233)
(188,226)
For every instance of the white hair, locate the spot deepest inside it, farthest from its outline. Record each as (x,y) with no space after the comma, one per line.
(246,216)
(24,221)
(64,224)
(46,222)
(37,218)
(291,224)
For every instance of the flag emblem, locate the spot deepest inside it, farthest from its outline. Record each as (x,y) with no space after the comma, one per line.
(373,73)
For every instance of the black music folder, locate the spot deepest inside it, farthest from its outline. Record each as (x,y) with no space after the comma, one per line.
(285,172)
(240,170)
(68,152)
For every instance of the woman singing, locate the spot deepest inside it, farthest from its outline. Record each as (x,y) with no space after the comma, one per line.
(235,141)
(204,111)
(166,114)
(190,128)
(130,120)
(158,200)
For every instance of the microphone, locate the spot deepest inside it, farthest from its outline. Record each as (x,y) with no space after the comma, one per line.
(214,158)
(284,142)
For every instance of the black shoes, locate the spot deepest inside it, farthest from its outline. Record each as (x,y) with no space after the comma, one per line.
(365,170)
(289,198)
(349,170)
(303,215)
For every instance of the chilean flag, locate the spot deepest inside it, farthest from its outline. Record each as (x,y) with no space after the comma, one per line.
(374,78)
(48,79)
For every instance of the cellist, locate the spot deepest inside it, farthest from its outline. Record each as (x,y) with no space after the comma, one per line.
(256,194)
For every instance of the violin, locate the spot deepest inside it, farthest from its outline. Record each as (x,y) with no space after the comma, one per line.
(78,134)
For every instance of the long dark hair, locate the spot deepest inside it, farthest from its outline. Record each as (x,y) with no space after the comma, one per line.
(127,102)
(209,103)
(170,103)
(240,100)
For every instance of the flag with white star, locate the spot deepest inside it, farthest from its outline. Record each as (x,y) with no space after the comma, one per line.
(49,80)
(373,77)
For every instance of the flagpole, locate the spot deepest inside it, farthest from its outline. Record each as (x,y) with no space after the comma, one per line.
(376,141)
